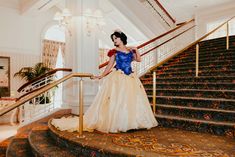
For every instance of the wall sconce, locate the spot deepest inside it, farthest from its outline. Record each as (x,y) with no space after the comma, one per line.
(93,20)
(63,18)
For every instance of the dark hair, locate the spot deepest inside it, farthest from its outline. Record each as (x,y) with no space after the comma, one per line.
(120,35)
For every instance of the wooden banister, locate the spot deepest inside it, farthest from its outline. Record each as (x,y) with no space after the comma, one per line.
(167,41)
(51,72)
(40,91)
(8,99)
(192,44)
(160,5)
(152,40)
(162,35)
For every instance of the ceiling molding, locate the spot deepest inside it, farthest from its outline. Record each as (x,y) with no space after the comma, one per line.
(37,6)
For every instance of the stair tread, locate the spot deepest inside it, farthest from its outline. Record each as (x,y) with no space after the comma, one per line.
(203,90)
(190,77)
(193,63)
(169,83)
(196,98)
(42,144)
(193,68)
(19,147)
(195,120)
(193,71)
(195,108)
(202,66)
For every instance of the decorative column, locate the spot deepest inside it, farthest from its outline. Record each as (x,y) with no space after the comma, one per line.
(81,54)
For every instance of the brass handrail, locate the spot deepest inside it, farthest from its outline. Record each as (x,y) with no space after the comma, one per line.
(51,72)
(154,92)
(206,35)
(194,43)
(46,88)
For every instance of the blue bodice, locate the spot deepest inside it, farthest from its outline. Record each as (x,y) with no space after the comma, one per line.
(123,61)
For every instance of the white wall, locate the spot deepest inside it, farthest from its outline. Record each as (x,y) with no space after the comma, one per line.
(22,34)
(20,39)
(18,60)
(203,17)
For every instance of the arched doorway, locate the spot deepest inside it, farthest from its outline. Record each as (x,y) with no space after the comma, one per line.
(55,38)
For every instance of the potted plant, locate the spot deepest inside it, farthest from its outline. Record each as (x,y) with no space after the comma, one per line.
(30,73)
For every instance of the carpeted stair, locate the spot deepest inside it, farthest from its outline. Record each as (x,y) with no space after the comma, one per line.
(205,103)
(19,145)
(46,141)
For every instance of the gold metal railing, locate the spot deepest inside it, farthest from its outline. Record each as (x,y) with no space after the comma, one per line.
(197,56)
(48,87)
(205,36)
(154,92)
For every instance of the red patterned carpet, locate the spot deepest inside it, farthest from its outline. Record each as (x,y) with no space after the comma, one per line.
(150,143)
(40,139)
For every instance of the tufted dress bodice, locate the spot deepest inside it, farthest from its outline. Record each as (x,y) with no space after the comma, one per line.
(123,61)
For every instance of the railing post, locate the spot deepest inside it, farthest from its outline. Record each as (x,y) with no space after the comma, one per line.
(80,108)
(154,92)
(197,59)
(227,38)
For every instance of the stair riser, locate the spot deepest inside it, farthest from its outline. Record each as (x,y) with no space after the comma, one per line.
(192,64)
(208,50)
(216,40)
(208,70)
(220,67)
(226,105)
(197,114)
(206,58)
(206,54)
(19,147)
(194,86)
(204,94)
(214,45)
(217,64)
(203,60)
(211,48)
(182,80)
(193,74)
(199,127)
(83,151)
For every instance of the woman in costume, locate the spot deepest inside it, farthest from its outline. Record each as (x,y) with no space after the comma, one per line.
(121,103)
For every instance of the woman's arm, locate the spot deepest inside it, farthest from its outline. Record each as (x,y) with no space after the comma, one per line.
(137,56)
(108,68)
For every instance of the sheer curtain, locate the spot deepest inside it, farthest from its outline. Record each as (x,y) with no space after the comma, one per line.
(50,52)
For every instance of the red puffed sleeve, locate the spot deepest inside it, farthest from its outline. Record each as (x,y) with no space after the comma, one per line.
(111,52)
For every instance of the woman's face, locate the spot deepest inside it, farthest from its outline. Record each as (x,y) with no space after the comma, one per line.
(117,41)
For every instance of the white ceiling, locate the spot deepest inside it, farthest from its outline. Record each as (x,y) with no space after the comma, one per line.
(184,10)
(10,3)
(181,10)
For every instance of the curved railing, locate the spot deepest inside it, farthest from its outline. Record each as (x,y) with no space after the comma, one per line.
(51,72)
(196,44)
(161,47)
(205,36)
(160,5)
(44,89)
(156,7)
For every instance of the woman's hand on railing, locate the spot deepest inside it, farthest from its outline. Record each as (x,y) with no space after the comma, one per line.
(96,77)
(135,50)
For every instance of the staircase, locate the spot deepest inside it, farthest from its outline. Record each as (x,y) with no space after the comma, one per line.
(205,103)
